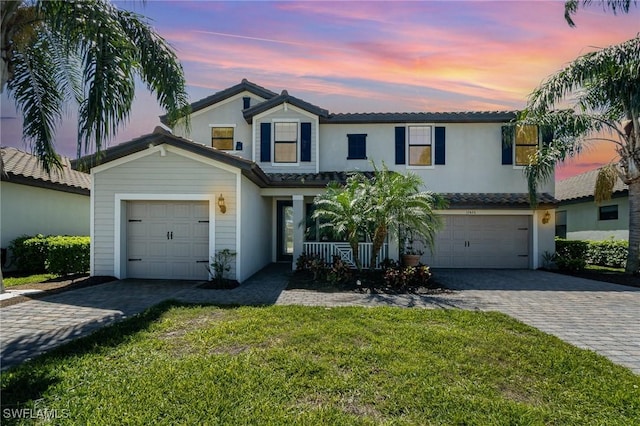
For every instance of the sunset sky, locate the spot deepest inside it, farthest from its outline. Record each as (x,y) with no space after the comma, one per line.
(362,56)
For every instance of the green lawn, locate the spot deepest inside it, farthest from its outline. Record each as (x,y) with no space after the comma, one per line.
(27,279)
(308,365)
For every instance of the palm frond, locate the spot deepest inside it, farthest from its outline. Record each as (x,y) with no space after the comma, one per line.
(616,6)
(39,94)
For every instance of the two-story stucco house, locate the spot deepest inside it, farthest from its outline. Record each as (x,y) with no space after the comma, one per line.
(162,205)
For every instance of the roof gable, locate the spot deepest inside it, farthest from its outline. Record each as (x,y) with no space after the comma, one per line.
(284,97)
(244,86)
(24,168)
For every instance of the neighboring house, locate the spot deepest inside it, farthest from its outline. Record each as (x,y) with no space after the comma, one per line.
(33,202)
(163,205)
(578,217)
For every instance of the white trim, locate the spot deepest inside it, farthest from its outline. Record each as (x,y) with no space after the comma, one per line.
(317,123)
(534,240)
(239,275)
(226,101)
(297,197)
(433,148)
(273,142)
(127,158)
(92,232)
(117,222)
(223,125)
(483,212)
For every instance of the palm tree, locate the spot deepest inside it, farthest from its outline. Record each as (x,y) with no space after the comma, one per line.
(602,91)
(84,51)
(342,209)
(571,7)
(375,207)
(396,204)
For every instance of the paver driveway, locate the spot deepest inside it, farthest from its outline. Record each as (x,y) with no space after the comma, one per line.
(593,315)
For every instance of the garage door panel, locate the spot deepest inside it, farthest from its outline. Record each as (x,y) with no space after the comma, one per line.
(167,239)
(482,241)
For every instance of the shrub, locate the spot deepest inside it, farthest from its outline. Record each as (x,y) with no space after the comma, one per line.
(314,264)
(67,255)
(222,263)
(611,253)
(29,253)
(571,255)
(55,254)
(339,273)
(407,278)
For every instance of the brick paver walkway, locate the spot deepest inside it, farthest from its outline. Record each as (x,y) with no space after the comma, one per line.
(593,315)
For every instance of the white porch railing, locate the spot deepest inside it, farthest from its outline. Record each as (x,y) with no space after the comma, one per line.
(326,251)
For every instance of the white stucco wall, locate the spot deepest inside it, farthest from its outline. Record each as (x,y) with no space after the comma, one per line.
(228,111)
(31,210)
(255,229)
(147,173)
(473,157)
(583,222)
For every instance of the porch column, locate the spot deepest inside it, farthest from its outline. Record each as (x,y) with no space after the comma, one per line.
(298,229)
(393,251)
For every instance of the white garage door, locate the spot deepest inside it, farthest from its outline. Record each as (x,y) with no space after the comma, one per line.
(482,242)
(168,239)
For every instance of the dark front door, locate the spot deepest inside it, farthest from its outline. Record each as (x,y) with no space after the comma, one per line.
(285,231)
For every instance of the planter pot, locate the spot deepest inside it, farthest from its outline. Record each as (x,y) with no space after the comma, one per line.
(410,259)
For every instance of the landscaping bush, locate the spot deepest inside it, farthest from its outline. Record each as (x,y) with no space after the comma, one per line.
(407,278)
(611,253)
(29,253)
(574,255)
(59,255)
(571,255)
(67,255)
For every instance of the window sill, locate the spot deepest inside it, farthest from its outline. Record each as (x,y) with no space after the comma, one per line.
(357,158)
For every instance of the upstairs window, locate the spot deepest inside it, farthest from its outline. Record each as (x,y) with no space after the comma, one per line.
(608,212)
(222,138)
(526,144)
(357,147)
(285,144)
(420,145)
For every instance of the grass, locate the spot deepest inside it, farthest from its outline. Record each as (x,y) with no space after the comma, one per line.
(598,268)
(27,279)
(178,364)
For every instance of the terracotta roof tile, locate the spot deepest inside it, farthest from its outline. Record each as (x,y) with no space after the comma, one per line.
(582,186)
(26,168)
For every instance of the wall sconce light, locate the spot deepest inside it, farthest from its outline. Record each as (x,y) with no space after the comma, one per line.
(238,146)
(546,218)
(221,204)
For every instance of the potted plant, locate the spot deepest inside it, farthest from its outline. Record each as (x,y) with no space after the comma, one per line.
(411,252)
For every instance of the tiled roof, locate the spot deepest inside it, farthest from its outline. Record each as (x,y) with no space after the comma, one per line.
(244,85)
(310,179)
(161,136)
(24,168)
(249,113)
(582,186)
(422,117)
(471,200)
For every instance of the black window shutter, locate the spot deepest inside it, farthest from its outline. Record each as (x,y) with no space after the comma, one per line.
(265,142)
(547,135)
(305,141)
(507,145)
(357,146)
(440,146)
(400,145)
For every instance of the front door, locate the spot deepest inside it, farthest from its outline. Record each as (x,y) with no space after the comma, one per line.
(285,231)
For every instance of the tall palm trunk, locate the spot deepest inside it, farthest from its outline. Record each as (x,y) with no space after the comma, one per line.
(379,236)
(633,259)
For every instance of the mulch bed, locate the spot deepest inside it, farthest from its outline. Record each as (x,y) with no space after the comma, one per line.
(53,286)
(609,277)
(301,281)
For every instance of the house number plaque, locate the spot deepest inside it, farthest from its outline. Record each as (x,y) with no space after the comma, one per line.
(471,212)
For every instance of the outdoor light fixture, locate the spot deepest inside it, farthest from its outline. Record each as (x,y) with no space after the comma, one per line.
(547,217)
(221,204)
